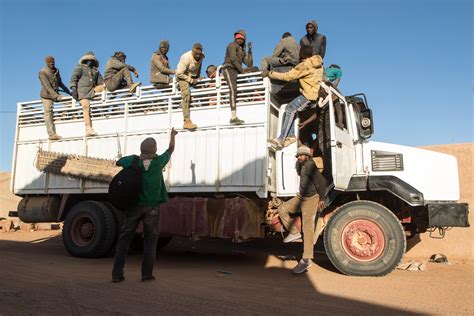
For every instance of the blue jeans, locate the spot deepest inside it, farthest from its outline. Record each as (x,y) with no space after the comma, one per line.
(298,104)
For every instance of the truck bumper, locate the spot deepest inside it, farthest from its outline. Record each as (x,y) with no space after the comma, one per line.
(448,214)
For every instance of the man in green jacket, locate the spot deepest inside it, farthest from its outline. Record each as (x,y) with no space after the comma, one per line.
(148,209)
(50,83)
(86,81)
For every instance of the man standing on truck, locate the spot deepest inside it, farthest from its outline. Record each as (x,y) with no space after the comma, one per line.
(312,189)
(188,73)
(86,81)
(50,83)
(148,209)
(309,72)
(235,55)
(286,53)
(117,74)
(314,39)
(160,70)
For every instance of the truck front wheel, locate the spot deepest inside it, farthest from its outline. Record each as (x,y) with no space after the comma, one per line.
(364,238)
(89,230)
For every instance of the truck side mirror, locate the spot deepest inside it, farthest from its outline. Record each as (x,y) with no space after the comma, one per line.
(366,124)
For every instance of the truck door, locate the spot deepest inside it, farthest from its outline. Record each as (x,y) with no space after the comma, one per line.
(342,145)
(287,180)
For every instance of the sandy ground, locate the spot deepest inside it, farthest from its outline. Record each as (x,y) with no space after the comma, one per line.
(37,276)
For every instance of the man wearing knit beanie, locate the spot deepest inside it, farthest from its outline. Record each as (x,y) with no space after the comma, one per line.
(50,83)
(311,191)
(235,55)
(188,73)
(160,70)
(147,211)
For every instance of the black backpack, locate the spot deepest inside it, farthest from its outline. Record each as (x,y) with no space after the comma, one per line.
(126,186)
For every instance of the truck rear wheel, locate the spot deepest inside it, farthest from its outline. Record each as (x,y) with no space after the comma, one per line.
(364,238)
(89,230)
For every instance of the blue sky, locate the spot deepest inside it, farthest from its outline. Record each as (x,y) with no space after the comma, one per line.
(412,58)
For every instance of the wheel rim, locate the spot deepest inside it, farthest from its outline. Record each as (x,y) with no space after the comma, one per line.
(363,240)
(83,230)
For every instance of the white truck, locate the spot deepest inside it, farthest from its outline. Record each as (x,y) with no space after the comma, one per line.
(225,181)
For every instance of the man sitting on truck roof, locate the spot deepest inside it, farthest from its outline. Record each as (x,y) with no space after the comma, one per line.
(86,81)
(235,55)
(286,53)
(50,82)
(309,72)
(312,189)
(117,74)
(188,73)
(160,70)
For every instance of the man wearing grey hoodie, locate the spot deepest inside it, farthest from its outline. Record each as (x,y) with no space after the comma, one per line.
(86,81)
(314,39)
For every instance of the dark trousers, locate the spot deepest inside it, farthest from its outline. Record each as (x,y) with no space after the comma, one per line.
(150,218)
(230,76)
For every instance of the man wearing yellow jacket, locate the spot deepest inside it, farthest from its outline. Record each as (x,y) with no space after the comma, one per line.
(309,72)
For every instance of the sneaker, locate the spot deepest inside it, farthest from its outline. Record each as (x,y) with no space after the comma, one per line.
(302,266)
(276,142)
(134,87)
(90,132)
(117,280)
(189,125)
(150,278)
(291,238)
(236,121)
(288,141)
(54,137)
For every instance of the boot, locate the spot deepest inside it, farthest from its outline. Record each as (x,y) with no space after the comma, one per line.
(90,131)
(236,121)
(134,87)
(54,137)
(188,124)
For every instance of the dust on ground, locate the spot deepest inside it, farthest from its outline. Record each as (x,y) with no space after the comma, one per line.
(215,277)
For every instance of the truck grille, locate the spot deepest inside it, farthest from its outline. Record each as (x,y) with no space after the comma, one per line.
(386,161)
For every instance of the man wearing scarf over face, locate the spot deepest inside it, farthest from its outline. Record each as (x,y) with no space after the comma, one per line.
(153,194)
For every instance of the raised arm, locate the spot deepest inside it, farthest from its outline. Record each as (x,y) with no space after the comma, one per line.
(172,141)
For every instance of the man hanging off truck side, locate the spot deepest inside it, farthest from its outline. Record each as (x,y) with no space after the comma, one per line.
(309,72)
(310,195)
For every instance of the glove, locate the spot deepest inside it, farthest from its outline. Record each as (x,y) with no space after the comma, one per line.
(74,94)
(265,73)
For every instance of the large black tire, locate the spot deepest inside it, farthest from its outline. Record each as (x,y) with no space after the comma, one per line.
(119,217)
(89,230)
(364,238)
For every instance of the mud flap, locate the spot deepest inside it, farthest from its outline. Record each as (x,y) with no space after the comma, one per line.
(448,215)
